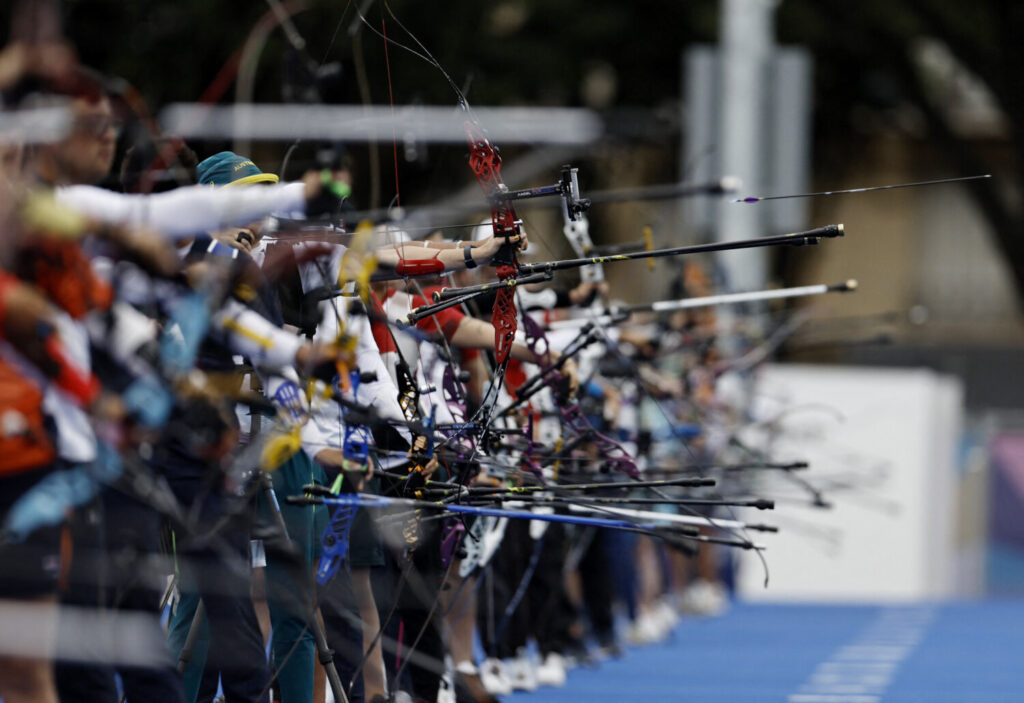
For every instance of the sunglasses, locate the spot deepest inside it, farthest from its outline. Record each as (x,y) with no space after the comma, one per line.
(97,125)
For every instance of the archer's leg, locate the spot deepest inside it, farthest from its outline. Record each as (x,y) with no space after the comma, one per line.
(288,590)
(28,602)
(374,677)
(29,679)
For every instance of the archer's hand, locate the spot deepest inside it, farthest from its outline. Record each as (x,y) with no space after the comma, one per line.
(52,60)
(662,385)
(419,446)
(145,247)
(489,247)
(612,403)
(431,467)
(483,479)
(355,473)
(585,292)
(310,355)
(325,191)
(569,372)
(241,238)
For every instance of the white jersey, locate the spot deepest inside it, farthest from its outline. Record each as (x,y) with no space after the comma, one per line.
(326,427)
(76,441)
(184,212)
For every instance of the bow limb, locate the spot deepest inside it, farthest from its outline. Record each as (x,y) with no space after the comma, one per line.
(570,412)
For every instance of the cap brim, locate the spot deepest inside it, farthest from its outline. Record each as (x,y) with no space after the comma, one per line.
(254,178)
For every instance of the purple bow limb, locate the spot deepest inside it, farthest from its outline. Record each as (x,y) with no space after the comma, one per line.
(572,416)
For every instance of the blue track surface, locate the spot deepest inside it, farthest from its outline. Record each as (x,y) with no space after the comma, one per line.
(820,654)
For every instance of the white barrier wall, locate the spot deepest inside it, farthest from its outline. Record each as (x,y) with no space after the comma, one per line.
(882,444)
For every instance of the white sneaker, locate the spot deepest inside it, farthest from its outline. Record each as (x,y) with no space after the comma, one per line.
(494,677)
(446,690)
(445,694)
(666,616)
(467,668)
(705,598)
(551,671)
(645,630)
(521,673)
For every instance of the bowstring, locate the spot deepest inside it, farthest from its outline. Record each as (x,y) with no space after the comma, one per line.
(423,53)
(391,232)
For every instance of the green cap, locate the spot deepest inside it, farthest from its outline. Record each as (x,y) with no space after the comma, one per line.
(229,169)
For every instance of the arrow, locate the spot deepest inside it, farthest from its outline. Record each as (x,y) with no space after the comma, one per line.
(861,190)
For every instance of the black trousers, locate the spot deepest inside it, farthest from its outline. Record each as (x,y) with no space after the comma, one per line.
(343,630)
(220,572)
(416,662)
(548,610)
(31,566)
(117,570)
(505,628)
(598,586)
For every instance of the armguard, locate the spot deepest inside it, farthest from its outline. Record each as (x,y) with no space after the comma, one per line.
(419,267)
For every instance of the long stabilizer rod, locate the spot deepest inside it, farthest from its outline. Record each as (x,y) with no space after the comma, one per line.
(621,313)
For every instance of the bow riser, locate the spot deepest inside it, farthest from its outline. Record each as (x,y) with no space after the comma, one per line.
(486,165)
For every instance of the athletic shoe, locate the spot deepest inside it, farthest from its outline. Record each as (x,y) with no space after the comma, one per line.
(551,671)
(666,617)
(705,598)
(608,648)
(521,672)
(468,686)
(577,655)
(495,678)
(446,689)
(645,630)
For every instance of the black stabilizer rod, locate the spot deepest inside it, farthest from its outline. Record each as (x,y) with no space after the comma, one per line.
(806,238)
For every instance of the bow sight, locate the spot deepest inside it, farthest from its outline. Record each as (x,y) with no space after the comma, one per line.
(568,188)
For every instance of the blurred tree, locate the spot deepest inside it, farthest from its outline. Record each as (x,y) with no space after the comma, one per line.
(872,58)
(569,52)
(506,51)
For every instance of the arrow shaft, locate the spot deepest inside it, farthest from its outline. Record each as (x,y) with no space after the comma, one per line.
(862,190)
(666,191)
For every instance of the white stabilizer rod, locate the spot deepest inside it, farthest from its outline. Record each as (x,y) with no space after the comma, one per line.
(666,517)
(707,301)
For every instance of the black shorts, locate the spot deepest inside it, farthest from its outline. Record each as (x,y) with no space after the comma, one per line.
(364,546)
(29,568)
